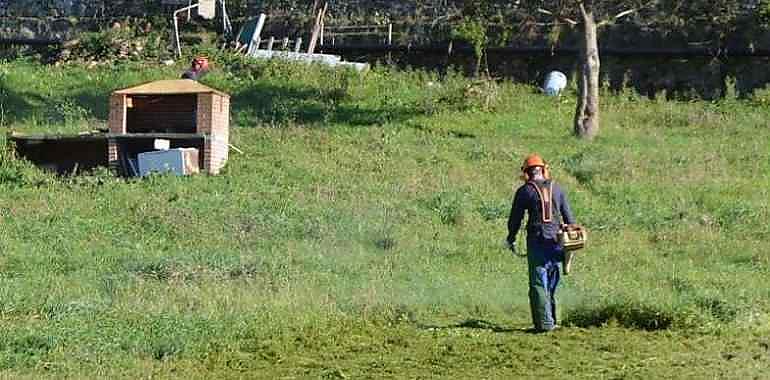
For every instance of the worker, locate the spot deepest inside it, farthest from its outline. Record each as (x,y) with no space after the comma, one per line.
(198,68)
(547,208)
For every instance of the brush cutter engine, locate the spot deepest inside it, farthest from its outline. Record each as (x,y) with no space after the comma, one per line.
(572,237)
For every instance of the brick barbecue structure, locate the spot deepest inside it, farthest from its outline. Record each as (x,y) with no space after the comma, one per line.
(185,112)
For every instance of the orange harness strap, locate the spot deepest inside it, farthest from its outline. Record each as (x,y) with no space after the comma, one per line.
(545,194)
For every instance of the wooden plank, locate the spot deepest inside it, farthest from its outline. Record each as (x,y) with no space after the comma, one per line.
(129,136)
(57,137)
(317,29)
(257,32)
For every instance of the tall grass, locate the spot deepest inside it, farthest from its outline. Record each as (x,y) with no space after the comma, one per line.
(365,207)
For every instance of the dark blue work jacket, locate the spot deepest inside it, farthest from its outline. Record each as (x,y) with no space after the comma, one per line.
(527,199)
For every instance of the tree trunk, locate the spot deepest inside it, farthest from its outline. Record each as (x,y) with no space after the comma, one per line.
(587,112)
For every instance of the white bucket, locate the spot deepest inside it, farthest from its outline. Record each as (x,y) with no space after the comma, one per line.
(555,82)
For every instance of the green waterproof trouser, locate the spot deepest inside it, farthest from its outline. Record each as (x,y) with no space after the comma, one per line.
(544,262)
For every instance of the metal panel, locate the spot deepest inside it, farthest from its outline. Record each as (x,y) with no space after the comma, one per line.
(175,161)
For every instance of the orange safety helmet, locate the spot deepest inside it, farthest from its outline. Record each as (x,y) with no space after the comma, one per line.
(531,161)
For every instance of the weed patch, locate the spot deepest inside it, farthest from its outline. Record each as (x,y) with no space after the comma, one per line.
(717,308)
(493,211)
(447,206)
(165,349)
(161,270)
(385,243)
(586,166)
(17,173)
(634,316)
(25,349)
(455,93)
(60,310)
(247,271)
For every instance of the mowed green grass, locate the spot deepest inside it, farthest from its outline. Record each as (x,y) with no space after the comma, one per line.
(360,234)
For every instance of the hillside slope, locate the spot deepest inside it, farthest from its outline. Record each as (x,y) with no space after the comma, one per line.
(359,235)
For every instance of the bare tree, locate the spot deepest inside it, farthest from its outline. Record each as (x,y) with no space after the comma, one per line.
(586,122)
(587,112)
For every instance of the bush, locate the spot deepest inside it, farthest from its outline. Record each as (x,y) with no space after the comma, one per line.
(473,31)
(120,42)
(458,93)
(17,173)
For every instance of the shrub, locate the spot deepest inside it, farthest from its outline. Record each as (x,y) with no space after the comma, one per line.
(120,42)
(17,173)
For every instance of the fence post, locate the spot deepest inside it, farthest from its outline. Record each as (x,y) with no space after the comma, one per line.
(298,44)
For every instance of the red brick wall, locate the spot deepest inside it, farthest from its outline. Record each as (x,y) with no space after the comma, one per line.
(214,120)
(117,124)
(112,154)
(204,113)
(117,113)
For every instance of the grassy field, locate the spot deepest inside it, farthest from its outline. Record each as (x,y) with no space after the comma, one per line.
(360,234)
